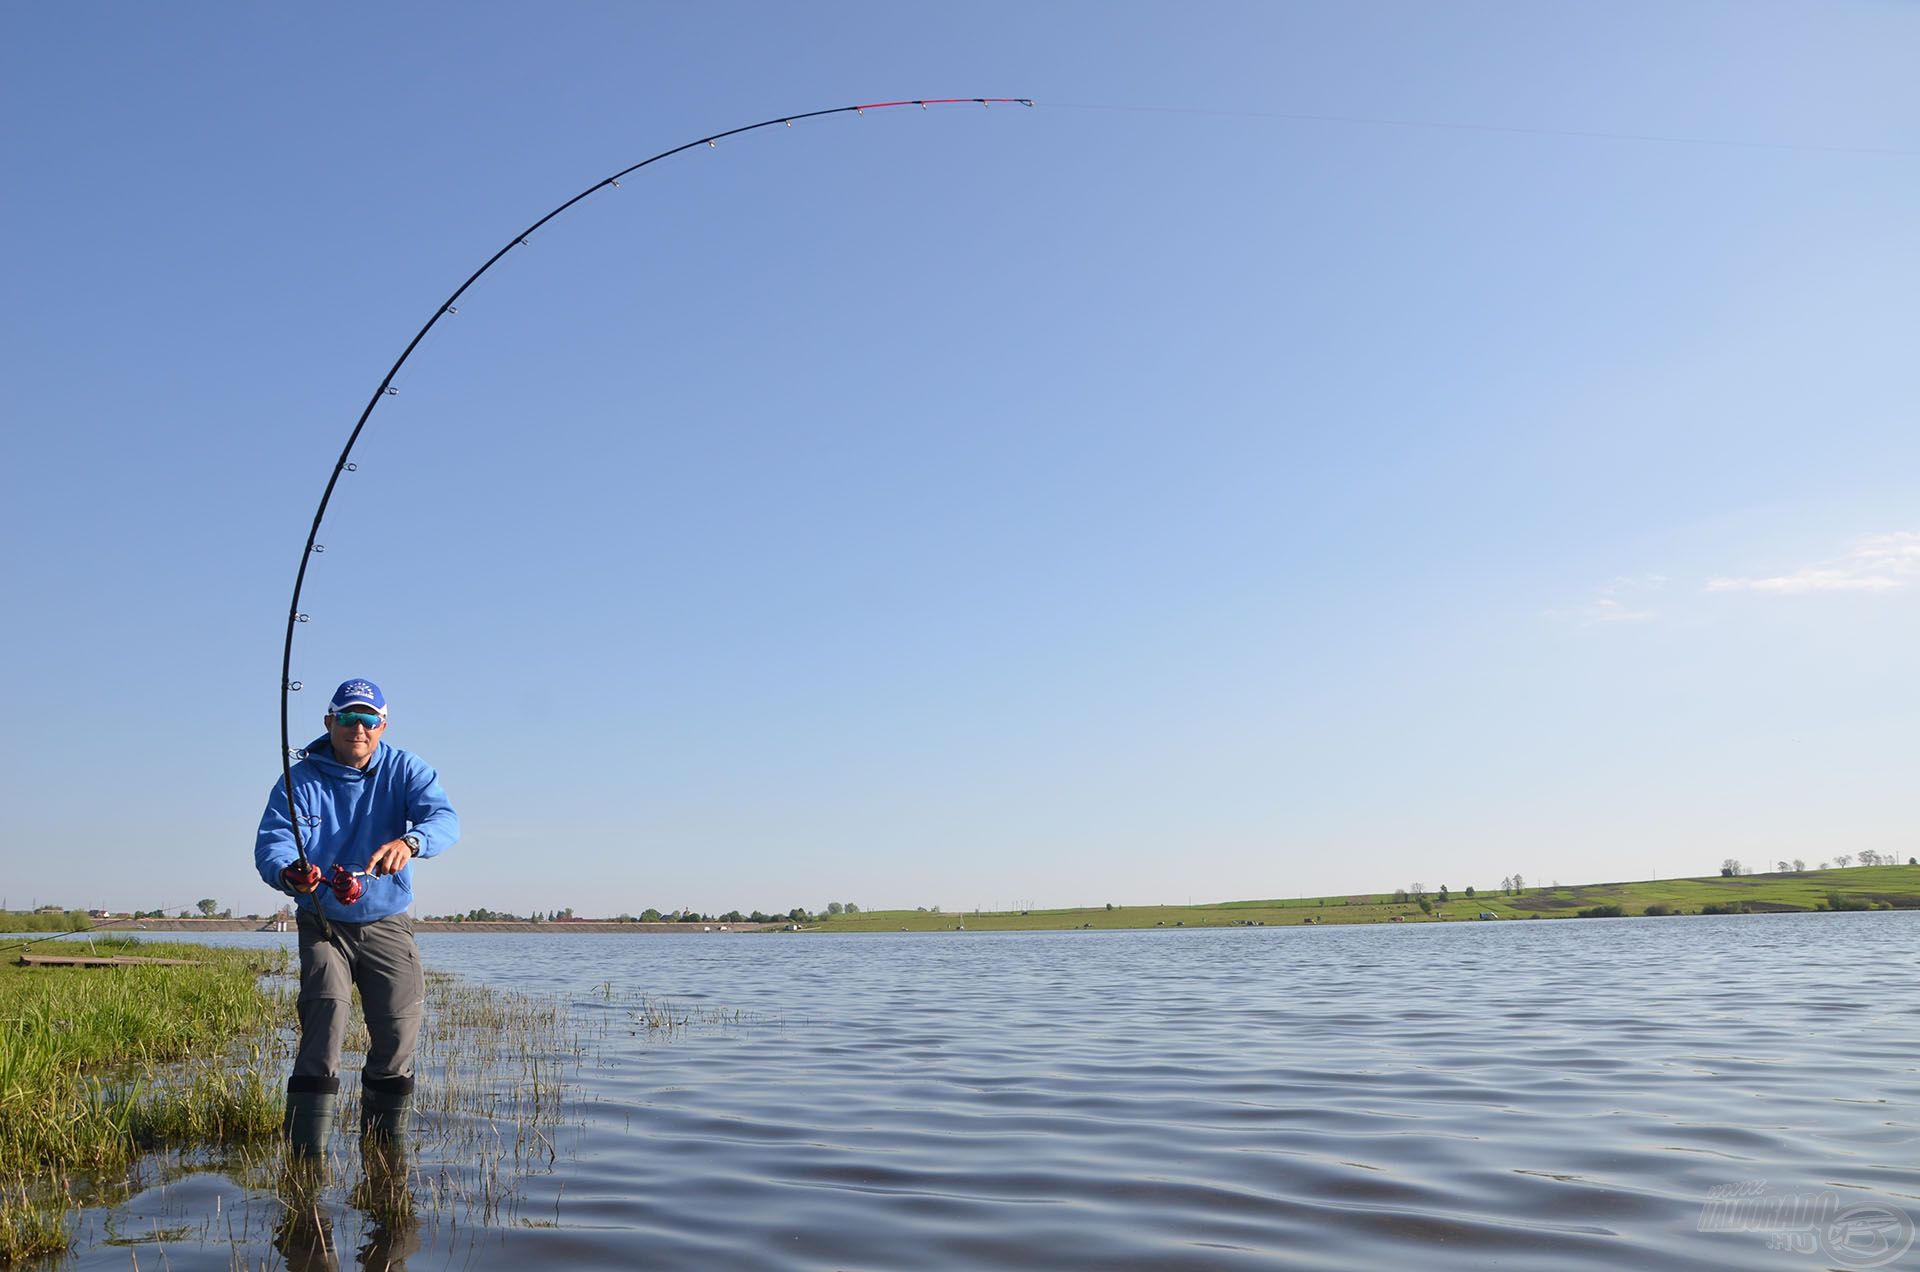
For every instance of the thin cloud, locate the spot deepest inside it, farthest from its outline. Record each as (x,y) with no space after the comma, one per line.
(1879,563)
(1607,607)
(1608,610)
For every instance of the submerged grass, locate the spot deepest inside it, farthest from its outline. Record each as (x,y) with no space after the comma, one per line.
(101,1065)
(116,1081)
(497,1098)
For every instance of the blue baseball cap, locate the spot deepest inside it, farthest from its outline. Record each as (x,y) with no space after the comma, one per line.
(358,693)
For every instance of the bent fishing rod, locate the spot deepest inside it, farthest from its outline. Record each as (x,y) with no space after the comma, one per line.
(344,883)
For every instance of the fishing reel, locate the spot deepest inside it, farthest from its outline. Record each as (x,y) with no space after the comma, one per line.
(345,884)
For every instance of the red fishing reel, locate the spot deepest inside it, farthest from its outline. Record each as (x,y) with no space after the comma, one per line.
(345,884)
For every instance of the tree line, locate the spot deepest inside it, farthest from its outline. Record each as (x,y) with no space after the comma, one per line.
(1733,867)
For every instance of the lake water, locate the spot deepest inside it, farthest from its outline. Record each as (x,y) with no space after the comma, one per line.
(1549,1095)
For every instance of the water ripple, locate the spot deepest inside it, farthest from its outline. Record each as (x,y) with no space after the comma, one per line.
(1545,1095)
(1541,1096)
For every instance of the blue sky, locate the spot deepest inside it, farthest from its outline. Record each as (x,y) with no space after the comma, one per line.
(1317,448)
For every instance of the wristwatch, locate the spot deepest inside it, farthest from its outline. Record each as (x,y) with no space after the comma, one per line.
(412,841)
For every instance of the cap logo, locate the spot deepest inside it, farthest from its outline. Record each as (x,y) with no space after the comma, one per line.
(351,691)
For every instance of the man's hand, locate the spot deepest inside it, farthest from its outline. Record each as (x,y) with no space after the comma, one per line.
(389,857)
(301,878)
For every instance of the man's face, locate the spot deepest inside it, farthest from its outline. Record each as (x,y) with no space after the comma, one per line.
(354,740)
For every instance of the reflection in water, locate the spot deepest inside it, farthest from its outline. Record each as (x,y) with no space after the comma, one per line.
(383,1193)
(304,1235)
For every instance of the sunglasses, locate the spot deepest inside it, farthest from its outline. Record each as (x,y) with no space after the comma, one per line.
(347,719)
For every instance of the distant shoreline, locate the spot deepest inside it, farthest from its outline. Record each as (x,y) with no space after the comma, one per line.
(1882,886)
(558,927)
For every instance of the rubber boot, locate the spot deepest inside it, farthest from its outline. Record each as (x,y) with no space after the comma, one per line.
(310,1113)
(386,1109)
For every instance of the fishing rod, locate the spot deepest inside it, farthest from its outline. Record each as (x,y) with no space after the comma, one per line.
(21,945)
(90,929)
(345,882)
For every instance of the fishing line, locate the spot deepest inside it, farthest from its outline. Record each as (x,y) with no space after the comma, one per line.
(1510,129)
(343,465)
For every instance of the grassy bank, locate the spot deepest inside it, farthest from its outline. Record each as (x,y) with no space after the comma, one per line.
(44,921)
(114,1078)
(1861,887)
(100,1065)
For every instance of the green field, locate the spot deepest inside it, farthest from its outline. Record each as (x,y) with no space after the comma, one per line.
(1861,887)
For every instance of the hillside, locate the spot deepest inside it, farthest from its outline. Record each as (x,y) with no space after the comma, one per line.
(1861,887)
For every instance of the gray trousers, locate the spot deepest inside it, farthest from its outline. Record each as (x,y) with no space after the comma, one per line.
(382,960)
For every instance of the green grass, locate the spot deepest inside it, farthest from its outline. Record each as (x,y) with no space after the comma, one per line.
(44,921)
(99,1065)
(1878,887)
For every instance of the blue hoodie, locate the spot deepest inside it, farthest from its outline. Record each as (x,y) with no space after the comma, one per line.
(345,814)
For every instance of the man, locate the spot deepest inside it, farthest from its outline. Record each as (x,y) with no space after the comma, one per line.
(370,809)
